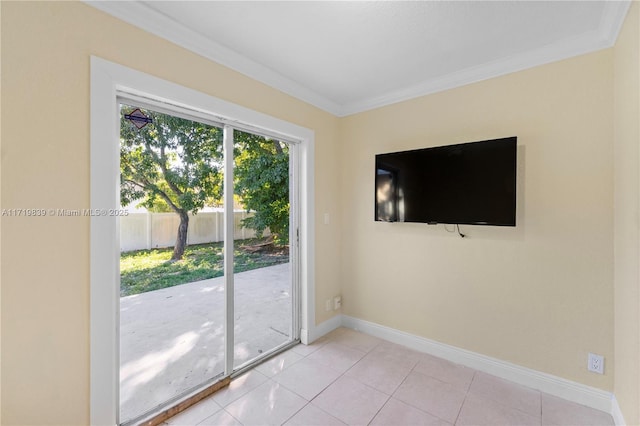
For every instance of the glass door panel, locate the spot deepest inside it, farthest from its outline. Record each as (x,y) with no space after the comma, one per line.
(171,267)
(262,269)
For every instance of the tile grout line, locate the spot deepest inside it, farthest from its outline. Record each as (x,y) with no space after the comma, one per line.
(379,409)
(421,409)
(391,396)
(466,394)
(541,409)
(232,416)
(370,387)
(303,357)
(294,414)
(323,389)
(344,374)
(503,404)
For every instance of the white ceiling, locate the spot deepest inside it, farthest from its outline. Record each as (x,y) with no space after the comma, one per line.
(351,56)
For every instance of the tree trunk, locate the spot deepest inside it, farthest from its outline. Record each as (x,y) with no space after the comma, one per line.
(181,240)
(278,147)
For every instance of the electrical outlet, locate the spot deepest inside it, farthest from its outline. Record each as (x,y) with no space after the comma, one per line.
(337,302)
(327,305)
(595,363)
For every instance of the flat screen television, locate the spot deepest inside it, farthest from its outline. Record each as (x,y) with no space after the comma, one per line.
(470,183)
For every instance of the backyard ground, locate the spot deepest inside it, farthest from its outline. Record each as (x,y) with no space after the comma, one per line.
(148,270)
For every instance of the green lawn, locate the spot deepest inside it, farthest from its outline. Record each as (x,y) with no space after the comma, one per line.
(148,270)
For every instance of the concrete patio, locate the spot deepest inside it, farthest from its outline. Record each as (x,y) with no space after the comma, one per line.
(173,339)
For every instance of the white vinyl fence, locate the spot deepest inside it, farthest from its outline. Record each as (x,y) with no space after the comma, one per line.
(156,230)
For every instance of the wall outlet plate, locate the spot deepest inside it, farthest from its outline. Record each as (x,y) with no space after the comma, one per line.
(595,363)
(337,302)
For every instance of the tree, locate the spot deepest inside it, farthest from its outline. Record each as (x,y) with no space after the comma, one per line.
(170,162)
(261,177)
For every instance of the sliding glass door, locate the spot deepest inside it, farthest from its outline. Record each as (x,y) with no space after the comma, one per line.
(197,306)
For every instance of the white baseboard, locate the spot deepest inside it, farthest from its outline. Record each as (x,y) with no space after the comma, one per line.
(304,336)
(323,328)
(616,412)
(557,386)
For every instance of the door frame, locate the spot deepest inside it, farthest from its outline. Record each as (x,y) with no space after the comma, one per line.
(108,81)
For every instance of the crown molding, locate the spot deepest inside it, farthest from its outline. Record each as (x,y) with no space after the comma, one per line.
(604,37)
(612,20)
(148,19)
(142,16)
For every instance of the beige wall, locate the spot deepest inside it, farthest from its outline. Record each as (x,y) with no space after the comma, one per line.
(627,203)
(539,295)
(45,163)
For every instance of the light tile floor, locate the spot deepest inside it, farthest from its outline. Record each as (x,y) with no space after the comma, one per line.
(355,379)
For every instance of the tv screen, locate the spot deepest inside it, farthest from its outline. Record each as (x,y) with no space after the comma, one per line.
(471,183)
